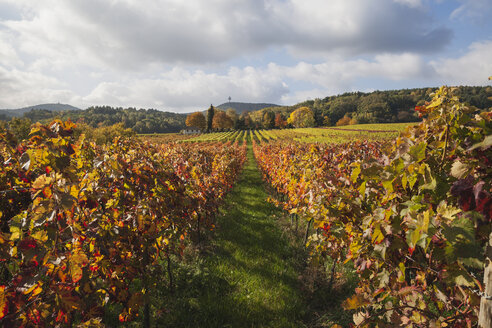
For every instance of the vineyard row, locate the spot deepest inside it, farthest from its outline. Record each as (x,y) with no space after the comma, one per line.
(414,216)
(83,224)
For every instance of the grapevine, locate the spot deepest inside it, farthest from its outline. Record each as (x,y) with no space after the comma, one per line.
(413,219)
(87,222)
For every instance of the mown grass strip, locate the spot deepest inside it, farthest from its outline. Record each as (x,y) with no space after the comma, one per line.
(250,279)
(252,272)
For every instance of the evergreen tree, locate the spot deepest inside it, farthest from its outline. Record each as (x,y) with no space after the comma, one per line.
(210,117)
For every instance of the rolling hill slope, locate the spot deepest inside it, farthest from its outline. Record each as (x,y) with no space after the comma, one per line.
(51,107)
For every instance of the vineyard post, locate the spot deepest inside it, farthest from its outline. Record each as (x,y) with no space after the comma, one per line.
(170,274)
(307,231)
(333,267)
(198,230)
(485,316)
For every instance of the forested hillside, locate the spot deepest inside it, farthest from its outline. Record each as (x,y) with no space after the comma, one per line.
(379,106)
(139,120)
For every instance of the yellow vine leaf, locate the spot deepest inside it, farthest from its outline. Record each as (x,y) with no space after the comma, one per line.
(355,302)
(35,290)
(77,262)
(4,304)
(41,182)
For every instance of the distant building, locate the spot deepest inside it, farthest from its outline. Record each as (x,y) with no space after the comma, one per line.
(191,131)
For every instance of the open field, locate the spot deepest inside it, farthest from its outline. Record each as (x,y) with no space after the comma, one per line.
(324,134)
(375,127)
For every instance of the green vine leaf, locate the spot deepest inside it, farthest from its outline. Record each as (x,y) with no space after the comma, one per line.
(460,170)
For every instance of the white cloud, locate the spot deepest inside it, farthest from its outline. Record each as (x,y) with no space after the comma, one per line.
(19,89)
(337,74)
(354,27)
(130,33)
(473,68)
(8,54)
(166,54)
(183,90)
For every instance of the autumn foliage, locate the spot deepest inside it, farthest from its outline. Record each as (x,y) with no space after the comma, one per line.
(196,120)
(303,117)
(413,217)
(221,121)
(87,222)
(280,122)
(343,121)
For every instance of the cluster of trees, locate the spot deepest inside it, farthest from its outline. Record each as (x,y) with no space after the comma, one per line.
(139,120)
(21,127)
(387,106)
(391,106)
(218,120)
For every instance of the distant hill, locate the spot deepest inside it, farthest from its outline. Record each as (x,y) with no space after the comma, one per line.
(51,107)
(140,120)
(241,107)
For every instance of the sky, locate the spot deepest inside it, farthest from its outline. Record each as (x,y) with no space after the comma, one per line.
(182,56)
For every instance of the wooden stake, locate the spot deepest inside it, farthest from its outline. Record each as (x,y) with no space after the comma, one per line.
(485,316)
(307,231)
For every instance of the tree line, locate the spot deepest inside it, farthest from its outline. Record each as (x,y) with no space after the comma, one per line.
(349,108)
(216,119)
(394,106)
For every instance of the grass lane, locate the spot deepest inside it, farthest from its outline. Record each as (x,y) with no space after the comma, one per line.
(250,277)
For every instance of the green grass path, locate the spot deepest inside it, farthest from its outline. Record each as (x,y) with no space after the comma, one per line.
(250,277)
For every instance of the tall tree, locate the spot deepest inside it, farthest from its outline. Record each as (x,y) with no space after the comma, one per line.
(221,121)
(210,117)
(268,119)
(196,120)
(302,117)
(280,122)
